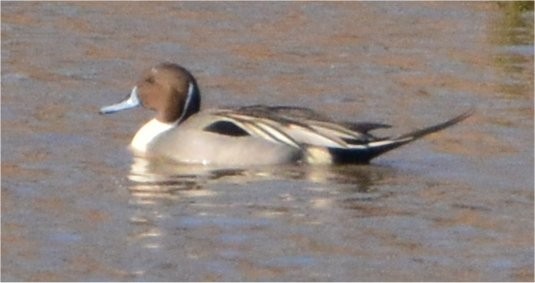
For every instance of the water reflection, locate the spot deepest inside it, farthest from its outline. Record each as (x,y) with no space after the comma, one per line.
(513,34)
(168,197)
(515,26)
(158,179)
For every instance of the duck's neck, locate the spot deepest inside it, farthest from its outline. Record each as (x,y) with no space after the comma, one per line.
(152,129)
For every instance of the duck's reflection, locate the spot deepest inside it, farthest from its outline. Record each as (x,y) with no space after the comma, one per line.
(157,182)
(175,203)
(161,178)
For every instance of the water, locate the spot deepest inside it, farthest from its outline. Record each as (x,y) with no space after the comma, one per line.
(457,205)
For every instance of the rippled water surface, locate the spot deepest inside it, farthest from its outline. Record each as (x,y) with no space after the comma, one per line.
(457,205)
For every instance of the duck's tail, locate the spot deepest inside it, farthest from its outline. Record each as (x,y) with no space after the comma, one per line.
(376,148)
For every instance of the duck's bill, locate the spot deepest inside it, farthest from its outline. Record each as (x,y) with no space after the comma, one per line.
(131,101)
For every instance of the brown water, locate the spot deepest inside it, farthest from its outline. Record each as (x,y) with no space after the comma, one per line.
(457,205)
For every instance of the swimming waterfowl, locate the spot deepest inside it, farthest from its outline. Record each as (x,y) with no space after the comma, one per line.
(249,135)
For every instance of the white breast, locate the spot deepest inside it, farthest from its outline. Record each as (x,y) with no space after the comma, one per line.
(148,134)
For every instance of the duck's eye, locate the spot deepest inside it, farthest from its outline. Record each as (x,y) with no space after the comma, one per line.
(149,80)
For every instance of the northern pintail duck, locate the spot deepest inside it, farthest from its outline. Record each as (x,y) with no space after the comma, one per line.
(250,135)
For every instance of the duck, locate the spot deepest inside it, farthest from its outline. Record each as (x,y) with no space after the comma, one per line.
(247,135)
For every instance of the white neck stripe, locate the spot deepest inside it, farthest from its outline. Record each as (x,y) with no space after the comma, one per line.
(191,90)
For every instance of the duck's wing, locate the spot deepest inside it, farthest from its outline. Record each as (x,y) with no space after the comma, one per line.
(365,127)
(281,112)
(321,140)
(293,126)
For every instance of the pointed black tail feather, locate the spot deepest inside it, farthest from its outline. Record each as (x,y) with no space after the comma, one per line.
(374,149)
(423,132)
